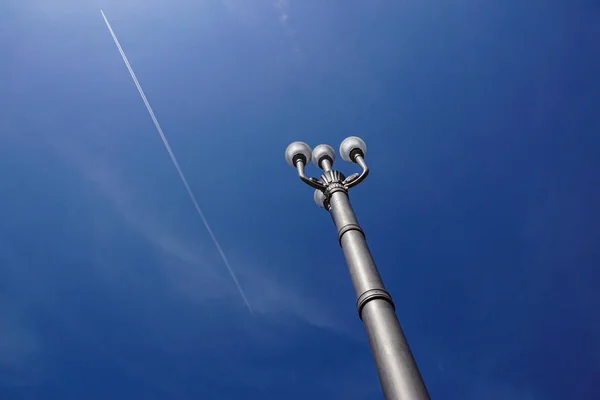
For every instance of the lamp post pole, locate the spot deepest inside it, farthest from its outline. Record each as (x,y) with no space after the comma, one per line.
(398,372)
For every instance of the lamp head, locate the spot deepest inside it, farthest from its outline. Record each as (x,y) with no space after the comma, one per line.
(319,198)
(297,151)
(321,152)
(351,147)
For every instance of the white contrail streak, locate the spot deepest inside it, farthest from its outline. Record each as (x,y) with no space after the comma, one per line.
(175,163)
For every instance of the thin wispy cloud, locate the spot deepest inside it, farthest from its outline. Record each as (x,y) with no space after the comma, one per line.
(283,8)
(491,390)
(479,377)
(190,267)
(19,350)
(17,344)
(253,13)
(20,345)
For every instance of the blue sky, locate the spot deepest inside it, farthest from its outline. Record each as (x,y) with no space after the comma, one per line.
(481,208)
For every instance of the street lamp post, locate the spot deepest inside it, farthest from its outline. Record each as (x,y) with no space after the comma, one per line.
(398,372)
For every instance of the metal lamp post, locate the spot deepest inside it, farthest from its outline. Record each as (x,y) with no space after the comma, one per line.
(398,373)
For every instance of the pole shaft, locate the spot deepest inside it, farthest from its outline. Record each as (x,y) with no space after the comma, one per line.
(398,372)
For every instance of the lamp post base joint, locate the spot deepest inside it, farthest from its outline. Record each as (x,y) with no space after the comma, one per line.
(347,228)
(373,294)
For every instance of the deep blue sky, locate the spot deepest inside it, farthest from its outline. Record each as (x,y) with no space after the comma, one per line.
(481,210)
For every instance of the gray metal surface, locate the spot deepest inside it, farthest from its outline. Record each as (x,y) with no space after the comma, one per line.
(398,372)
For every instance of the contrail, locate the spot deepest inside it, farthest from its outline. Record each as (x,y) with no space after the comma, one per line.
(175,163)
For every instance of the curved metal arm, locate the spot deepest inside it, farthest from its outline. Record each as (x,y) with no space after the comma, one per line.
(313,182)
(355,179)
